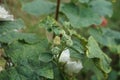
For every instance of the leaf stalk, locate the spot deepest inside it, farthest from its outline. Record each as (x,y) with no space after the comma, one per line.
(57,10)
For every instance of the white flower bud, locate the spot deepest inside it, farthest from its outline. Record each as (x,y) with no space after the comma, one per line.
(73,67)
(4,15)
(65,56)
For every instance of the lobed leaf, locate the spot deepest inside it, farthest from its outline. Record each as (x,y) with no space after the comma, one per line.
(79,49)
(27,61)
(46,71)
(88,64)
(102,7)
(39,7)
(11,26)
(107,37)
(101,59)
(9,37)
(80,16)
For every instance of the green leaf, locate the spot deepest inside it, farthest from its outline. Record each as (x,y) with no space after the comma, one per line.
(29,38)
(39,7)
(19,50)
(4,75)
(11,26)
(57,73)
(101,59)
(113,75)
(102,7)
(9,37)
(75,55)
(45,57)
(107,37)
(11,74)
(80,16)
(25,70)
(77,49)
(84,1)
(25,58)
(89,65)
(46,71)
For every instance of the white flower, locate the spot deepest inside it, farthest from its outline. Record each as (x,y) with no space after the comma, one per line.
(65,56)
(4,15)
(73,67)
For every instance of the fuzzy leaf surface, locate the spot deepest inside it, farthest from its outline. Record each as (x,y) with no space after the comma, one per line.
(102,7)
(80,17)
(107,37)
(39,7)
(101,59)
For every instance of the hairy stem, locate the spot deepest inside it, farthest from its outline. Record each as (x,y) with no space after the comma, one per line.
(57,10)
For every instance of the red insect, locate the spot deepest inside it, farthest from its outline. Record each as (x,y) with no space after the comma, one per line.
(104,21)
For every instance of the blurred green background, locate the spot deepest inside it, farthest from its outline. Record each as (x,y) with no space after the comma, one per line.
(14,6)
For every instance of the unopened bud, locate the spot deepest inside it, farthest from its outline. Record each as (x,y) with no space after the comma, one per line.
(55,50)
(56,40)
(69,42)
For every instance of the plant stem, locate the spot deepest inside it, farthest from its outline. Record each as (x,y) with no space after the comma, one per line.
(57,10)
(0,1)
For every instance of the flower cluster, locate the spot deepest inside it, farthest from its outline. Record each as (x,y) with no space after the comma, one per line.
(4,15)
(71,66)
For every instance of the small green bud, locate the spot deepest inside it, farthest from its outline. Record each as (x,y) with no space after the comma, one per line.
(67,24)
(62,32)
(55,50)
(69,42)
